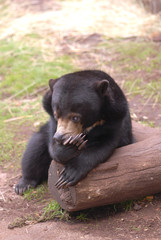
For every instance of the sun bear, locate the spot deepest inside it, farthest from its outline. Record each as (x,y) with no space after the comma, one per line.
(89,119)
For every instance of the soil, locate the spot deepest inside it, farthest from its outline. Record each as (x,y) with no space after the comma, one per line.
(141,222)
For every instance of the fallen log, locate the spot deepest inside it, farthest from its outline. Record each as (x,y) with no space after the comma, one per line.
(142,132)
(131,172)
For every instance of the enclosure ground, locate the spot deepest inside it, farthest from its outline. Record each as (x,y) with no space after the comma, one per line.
(141,222)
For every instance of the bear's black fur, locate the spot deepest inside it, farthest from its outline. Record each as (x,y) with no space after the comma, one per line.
(89,118)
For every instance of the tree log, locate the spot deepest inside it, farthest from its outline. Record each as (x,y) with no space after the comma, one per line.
(131,172)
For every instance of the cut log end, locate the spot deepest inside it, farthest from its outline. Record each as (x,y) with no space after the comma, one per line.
(64,196)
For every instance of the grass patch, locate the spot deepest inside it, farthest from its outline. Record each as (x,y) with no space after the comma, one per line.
(50,212)
(135,56)
(138,63)
(83,217)
(138,50)
(133,87)
(18,118)
(53,210)
(148,123)
(6,145)
(123,206)
(23,71)
(19,111)
(23,68)
(37,193)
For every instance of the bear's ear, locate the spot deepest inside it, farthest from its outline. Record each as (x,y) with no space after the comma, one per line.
(47,102)
(51,84)
(102,86)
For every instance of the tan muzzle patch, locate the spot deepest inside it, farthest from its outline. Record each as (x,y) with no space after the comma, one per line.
(67,127)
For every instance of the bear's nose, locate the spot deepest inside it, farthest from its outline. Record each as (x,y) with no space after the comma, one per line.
(58,137)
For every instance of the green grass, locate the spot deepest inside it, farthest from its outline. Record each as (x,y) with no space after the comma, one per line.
(53,210)
(135,56)
(154,88)
(124,206)
(6,145)
(133,87)
(23,71)
(138,86)
(138,50)
(148,123)
(17,118)
(37,193)
(83,217)
(139,62)
(24,68)
(19,111)
(139,56)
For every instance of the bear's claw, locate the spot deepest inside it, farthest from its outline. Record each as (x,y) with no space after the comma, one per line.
(77,140)
(24,185)
(70,175)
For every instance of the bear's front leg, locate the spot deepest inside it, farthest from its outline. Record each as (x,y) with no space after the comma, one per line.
(35,161)
(77,168)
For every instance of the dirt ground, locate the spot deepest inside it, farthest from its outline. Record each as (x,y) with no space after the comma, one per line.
(141,222)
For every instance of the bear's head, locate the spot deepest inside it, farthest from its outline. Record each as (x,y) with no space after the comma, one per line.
(77,101)
(77,105)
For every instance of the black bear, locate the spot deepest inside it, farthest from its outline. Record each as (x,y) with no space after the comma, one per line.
(89,118)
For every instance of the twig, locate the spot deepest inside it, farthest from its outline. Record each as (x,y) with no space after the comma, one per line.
(39,90)
(17,118)
(138,91)
(156,100)
(149,98)
(132,86)
(23,90)
(2,196)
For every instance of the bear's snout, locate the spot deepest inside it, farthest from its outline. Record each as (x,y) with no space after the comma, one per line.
(58,138)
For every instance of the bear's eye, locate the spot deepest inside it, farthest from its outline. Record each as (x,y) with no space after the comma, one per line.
(75,119)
